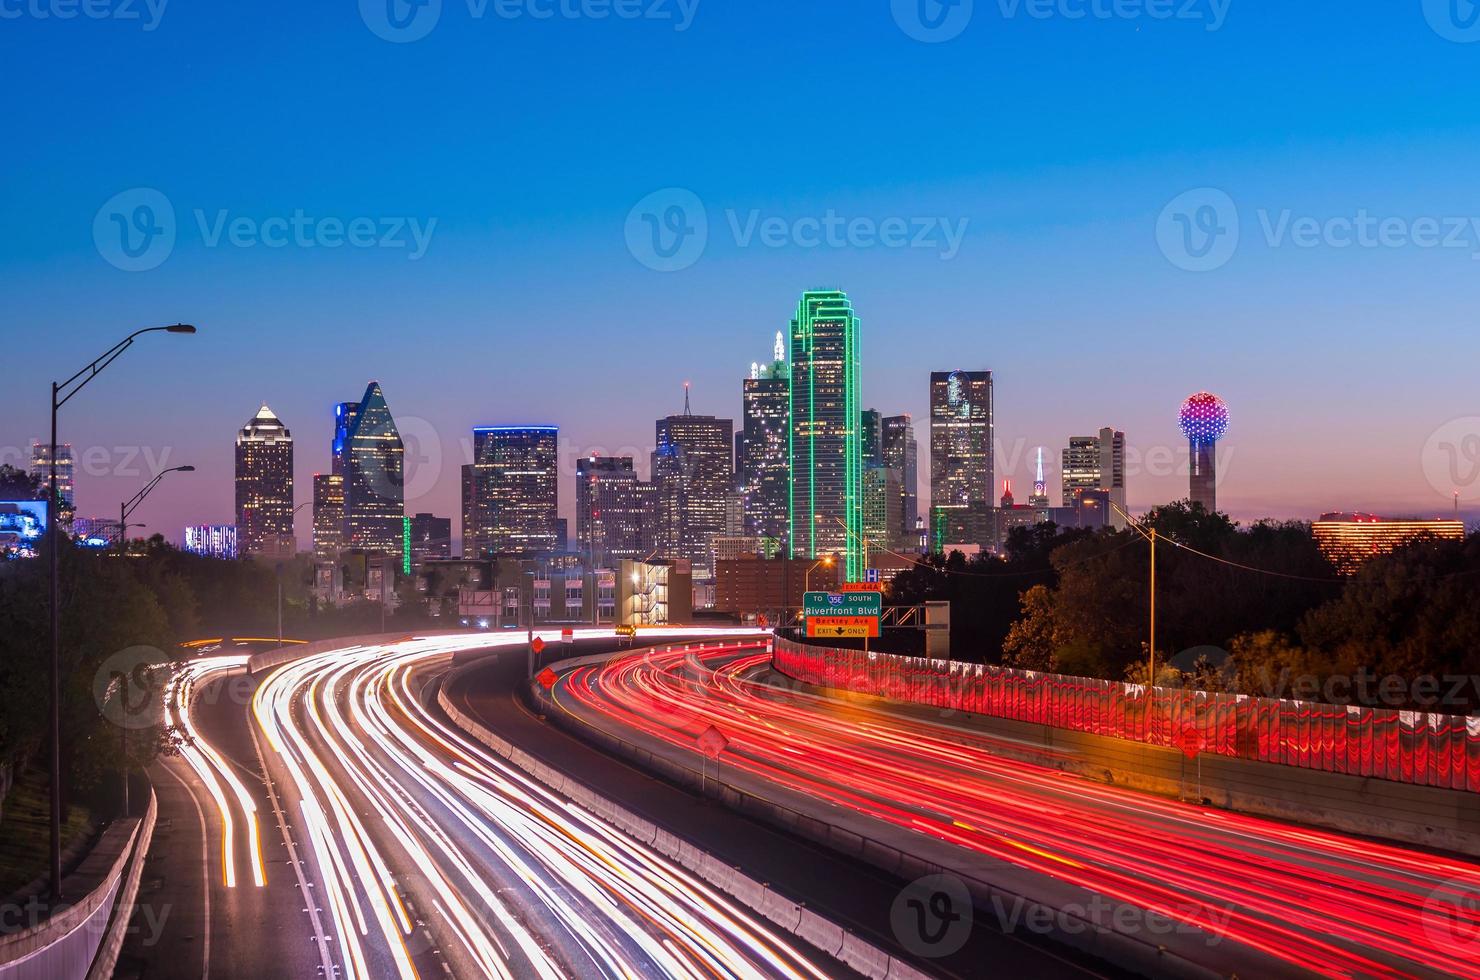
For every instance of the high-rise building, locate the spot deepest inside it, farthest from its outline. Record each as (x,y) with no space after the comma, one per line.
(961,437)
(41,470)
(883,517)
(826,498)
(469,483)
(374,478)
(901,452)
(613,510)
(761,457)
(962,433)
(345,414)
(694,470)
(328,515)
(1096,463)
(515,489)
(264,484)
(431,537)
(871,437)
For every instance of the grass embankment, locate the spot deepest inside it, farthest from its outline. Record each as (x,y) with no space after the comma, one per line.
(25,830)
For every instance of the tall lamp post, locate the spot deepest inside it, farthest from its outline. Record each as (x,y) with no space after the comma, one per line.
(291,517)
(127,508)
(60,395)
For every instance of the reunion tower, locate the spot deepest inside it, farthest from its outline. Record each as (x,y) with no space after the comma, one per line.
(1204,419)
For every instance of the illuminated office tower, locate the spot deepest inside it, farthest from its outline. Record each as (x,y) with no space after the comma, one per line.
(328,515)
(1096,463)
(694,469)
(41,470)
(374,478)
(613,511)
(515,482)
(901,452)
(883,517)
(345,414)
(826,498)
(761,447)
(961,439)
(431,537)
(264,484)
(871,438)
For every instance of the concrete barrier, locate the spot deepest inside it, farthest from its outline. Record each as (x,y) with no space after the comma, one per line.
(83,939)
(864,957)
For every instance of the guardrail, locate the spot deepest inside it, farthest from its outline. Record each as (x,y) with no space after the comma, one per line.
(83,939)
(1413,747)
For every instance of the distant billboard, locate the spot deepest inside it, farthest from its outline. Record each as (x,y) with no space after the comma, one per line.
(22,523)
(212,540)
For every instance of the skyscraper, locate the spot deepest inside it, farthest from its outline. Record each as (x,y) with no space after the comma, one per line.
(962,433)
(516,492)
(41,470)
(826,499)
(871,437)
(1096,463)
(694,469)
(264,484)
(883,517)
(613,510)
(901,452)
(328,515)
(1039,499)
(374,477)
(431,537)
(345,414)
(761,445)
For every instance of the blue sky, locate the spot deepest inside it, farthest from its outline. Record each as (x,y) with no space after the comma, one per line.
(523,145)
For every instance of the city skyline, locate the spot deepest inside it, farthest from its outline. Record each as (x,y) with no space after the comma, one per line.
(1059,287)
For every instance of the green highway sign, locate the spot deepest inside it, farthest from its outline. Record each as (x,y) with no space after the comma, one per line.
(843,604)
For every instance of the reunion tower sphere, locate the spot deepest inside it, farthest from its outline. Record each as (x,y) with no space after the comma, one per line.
(1204,418)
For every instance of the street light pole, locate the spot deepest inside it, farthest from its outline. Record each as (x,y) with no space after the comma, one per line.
(60,395)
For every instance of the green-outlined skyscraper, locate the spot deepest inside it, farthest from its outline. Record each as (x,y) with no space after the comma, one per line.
(826,491)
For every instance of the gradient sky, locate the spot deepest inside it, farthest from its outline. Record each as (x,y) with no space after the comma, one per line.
(1059,141)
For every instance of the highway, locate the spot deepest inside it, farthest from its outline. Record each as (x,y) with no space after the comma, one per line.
(420,853)
(1310,902)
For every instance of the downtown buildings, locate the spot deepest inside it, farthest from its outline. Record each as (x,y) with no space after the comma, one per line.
(762,462)
(825,504)
(962,472)
(693,471)
(510,491)
(614,510)
(264,486)
(371,459)
(1095,463)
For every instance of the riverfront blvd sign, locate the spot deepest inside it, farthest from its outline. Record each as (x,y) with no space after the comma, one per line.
(842,614)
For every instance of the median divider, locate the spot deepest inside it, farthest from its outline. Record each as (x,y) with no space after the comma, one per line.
(853,951)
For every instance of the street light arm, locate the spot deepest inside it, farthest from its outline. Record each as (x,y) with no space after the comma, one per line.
(138,498)
(107,357)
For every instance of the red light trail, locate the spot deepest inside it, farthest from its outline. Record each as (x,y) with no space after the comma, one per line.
(1318,901)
